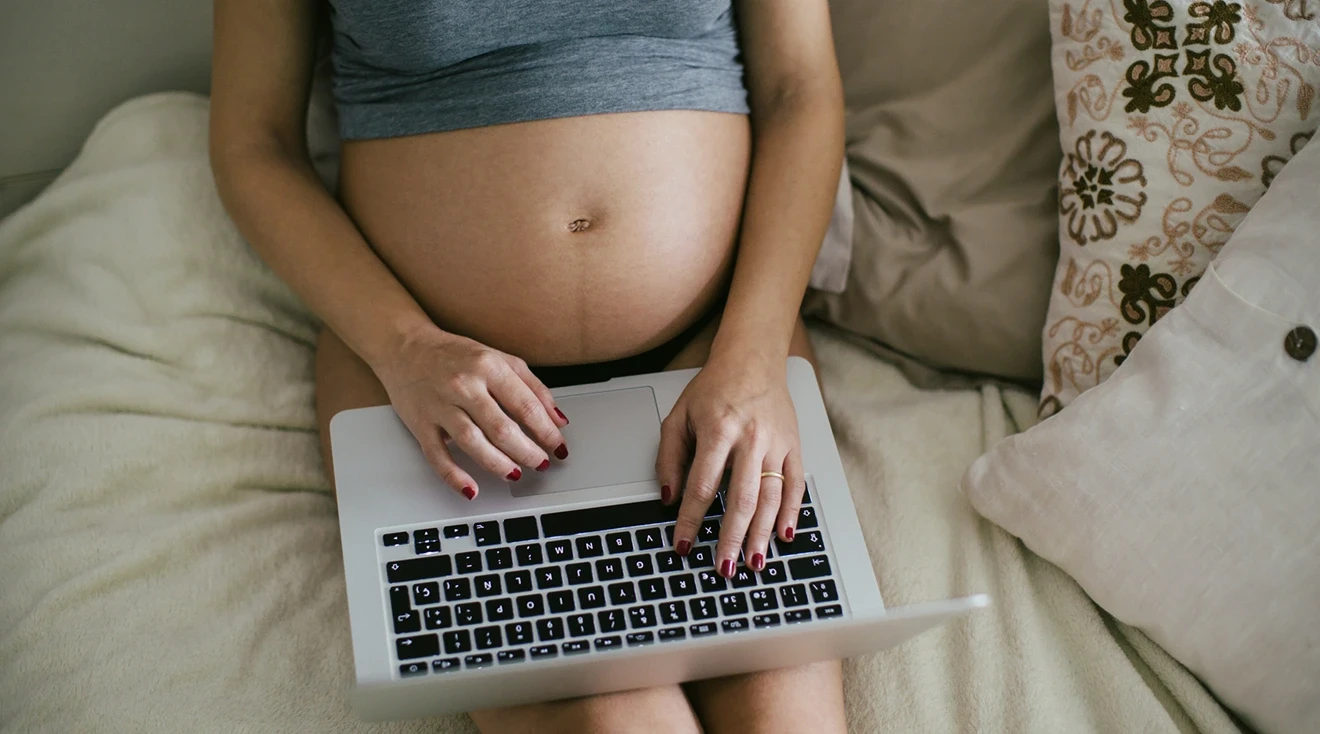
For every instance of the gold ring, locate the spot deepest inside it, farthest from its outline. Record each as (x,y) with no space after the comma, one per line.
(774,474)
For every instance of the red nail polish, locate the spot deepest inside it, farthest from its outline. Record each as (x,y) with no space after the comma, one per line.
(469,492)
(726,568)
(561,452)
(788,534)
(561,415)
(545,464)
(683,547)
(664,493)
(514,475)
(758,561)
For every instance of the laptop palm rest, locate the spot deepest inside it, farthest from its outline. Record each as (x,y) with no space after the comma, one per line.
(612,439)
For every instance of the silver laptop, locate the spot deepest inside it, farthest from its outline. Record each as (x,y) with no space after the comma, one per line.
(565,583)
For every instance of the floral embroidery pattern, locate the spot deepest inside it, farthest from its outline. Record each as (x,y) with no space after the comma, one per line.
(1270,165)
(1100,188)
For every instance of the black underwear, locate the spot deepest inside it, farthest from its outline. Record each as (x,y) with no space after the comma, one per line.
(652,360)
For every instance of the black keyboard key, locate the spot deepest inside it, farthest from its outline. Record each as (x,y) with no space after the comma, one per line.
(560,601)
(574,647)
(457,589)
(395,539)
(622,593)
(670,634)
(763,600)
(544,651)
(486,533)
(427,534)
(469,562)
(651,589)
(549,629)
(549,577)
(468,614)
(579,573)
(607,517)
(766,620)
(703,629)
(518,581)
(518,633)
(529,554)
(408,670)
(456,531)
(673,612)
(511,656)
(619,543)
(711,582)
(488,585)
(589,547)
(421,646)
(518,529)
(642,617)
(703,607)
(743,578)
(823,591)
(809,567)
(797,615)
(611,620)
(530,605)
(479,660)
(399,599)
(609,569)
(793,595)
(733,605)
(735,625)
(559,551)
(445,665)
(613,642)
(683,584)
(833,610)
(806,518)
(488,637)
(591,597)
(458,641)
(806,495)
(407,622)
(802,543)
(418,569)
(669,535)
(438,618)
(703,556)
(581,625)
(640,638)
(425,593)
(499,610)
(498,559)
(773,573)
(426,547)
(648,539)
(638,565)
(668,562)
(709,532)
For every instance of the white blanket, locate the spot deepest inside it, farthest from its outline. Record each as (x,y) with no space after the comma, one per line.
(169,554)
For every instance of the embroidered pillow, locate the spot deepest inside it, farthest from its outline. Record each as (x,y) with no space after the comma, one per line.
(1175,117)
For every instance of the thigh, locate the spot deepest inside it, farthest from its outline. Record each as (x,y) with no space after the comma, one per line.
(343,382)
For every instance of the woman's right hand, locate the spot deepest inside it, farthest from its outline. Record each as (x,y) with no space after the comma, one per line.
(447,386)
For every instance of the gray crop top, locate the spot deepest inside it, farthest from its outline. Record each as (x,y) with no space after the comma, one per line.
(403,67)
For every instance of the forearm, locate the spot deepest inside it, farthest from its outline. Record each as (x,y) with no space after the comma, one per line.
(797,153)
(302,233)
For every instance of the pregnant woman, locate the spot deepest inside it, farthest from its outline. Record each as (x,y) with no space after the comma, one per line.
(537,193)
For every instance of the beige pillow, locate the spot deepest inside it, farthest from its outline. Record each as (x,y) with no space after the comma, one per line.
(1174,117)
(952,148)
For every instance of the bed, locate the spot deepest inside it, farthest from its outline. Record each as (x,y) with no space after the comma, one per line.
(169,553)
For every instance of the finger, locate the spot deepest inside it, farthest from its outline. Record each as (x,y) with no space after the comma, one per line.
(795,482)
(703,481)
(520,403)
(539,389)
(472,440)
(767,512)
(675,451)
(740,502)
(431,439)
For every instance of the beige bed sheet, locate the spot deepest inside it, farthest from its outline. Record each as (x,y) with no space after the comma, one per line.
(169,555)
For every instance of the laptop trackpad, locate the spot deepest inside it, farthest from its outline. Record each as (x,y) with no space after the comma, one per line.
(612,439)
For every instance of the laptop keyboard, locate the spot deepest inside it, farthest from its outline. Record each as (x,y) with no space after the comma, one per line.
(535,587)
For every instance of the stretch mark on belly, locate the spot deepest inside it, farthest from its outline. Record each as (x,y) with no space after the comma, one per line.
(579,225)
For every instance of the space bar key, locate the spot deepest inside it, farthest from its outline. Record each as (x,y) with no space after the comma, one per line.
(610,517)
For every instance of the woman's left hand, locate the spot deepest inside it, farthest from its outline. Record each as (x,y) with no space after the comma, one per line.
(736,413)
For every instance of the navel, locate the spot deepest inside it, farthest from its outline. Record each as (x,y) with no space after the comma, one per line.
(579,225)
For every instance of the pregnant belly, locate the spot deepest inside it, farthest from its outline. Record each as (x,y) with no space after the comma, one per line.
(561,241)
